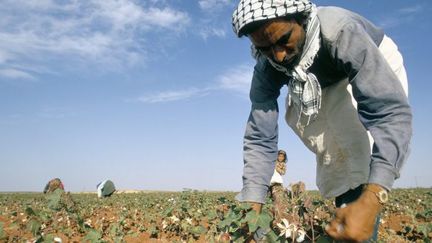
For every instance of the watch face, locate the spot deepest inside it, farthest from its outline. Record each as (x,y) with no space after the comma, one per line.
(383,196)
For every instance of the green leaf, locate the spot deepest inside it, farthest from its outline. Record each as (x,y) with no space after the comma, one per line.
(29,211)
(272,237)
(425,229)
(224,223)
(198,230)
(114,230)
(222,199)
(2,232)
(54,199)
(118,239)
(44,216)
(141,228)
(238,237)
(13,226)
(245,206)
(48,238)
(168,212)
(34,227)
(93,236)
(325,239)
(154,232)
(212,215)
(251,219)
(264,220)
(132,234)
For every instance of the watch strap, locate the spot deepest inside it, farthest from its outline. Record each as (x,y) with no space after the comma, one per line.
(379,192)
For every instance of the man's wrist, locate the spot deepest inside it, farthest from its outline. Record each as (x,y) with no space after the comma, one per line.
(380,192)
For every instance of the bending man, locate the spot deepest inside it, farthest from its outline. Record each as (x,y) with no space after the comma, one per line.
(347,101)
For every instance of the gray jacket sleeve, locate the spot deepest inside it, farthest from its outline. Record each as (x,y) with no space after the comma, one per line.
(382,104)
(261,135)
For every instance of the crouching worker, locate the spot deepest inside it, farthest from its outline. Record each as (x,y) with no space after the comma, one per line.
(53,185)
(105,188)
(57,198)
(347,101)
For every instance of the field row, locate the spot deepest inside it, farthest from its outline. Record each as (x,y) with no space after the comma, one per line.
(191,216)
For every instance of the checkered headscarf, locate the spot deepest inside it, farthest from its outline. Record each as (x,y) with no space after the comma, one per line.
(304,88)
(249,11)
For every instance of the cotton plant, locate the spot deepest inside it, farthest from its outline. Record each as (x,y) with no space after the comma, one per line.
(169,221)
(189,221)
(288,230)
(300,235)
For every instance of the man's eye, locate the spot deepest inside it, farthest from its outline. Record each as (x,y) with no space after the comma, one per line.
(263,48)
(284,39)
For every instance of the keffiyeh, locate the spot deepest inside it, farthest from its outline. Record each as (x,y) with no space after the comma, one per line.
(304,88)
(249,11)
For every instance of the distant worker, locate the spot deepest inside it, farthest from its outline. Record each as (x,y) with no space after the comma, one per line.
(280,168)
(277,191)
(53,185)
(105,188)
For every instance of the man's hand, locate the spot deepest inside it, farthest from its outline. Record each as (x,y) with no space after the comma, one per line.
(356,221)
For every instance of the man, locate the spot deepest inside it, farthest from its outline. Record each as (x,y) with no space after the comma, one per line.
(347,101)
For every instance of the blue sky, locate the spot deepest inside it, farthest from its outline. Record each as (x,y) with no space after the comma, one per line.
(153,94)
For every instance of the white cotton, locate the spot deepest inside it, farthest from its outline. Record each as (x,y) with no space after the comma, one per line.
(300,235)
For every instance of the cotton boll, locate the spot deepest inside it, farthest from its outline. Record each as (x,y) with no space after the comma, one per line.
(300,235)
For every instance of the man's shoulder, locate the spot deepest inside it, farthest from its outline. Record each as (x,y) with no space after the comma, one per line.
(333,15)
(333,19)
(332,11)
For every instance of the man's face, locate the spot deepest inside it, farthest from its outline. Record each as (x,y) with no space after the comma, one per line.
(281,40)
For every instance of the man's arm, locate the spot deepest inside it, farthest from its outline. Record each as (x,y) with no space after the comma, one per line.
(261,135)
(382,104)
(384,110)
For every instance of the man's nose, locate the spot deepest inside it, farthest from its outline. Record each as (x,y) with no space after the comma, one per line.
(279,53)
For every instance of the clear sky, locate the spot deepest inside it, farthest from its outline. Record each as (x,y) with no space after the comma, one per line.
(153,94)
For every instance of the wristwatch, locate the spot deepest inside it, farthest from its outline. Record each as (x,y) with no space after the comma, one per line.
(379,192)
